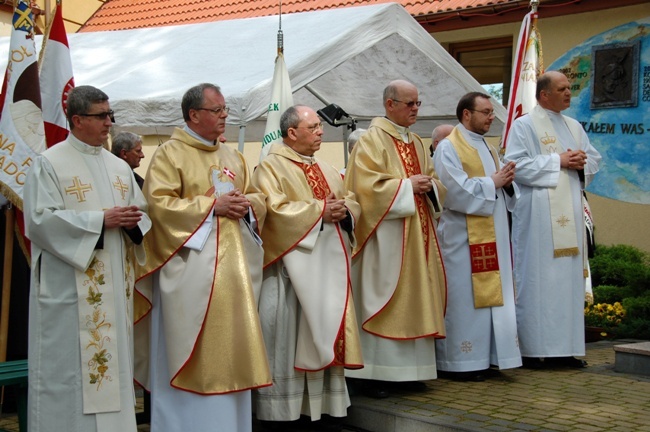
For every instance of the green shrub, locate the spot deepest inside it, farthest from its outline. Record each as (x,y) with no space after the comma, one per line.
(622,266)
(611,294)
(621,273)
(637,307)
(633,328)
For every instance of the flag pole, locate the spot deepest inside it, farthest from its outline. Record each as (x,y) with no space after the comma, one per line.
(6,280)
(280,35)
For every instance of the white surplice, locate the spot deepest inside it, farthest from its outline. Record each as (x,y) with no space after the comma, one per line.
(550,291)
(476,338)
(295,392)
(64,240)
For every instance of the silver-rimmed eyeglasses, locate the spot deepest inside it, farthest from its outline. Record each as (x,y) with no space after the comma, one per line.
(217,110)
(313,129)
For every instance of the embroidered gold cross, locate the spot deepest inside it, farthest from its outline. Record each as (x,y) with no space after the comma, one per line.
(563,221)
(484,258)
(120,187)
(79,189)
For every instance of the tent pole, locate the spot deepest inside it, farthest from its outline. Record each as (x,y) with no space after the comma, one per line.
(318,95)
(242,137)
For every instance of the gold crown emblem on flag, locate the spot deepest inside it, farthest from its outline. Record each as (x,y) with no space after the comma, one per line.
(546,139)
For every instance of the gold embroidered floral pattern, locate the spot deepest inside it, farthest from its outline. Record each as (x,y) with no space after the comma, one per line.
(97,325)
(409,158)
(316,180)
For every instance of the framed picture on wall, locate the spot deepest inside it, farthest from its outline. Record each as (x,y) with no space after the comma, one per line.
(615,75)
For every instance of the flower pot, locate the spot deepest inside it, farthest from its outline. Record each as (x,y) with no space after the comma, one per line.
(594,334)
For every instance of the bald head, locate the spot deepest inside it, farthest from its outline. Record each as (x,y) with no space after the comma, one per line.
(553,91)
(440,133)
(401,102)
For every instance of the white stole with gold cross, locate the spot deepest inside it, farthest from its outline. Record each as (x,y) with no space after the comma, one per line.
(565,238)
(95,288)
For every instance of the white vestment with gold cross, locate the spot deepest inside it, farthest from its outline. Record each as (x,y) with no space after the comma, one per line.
(550,291)
(476,337)
(80,341)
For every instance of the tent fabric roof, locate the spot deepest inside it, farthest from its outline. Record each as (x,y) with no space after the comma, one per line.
(130,14)
(345,56)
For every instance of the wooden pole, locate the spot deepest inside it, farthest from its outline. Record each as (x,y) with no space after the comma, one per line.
(6,280)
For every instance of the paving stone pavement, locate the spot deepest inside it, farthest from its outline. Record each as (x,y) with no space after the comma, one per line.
(593,399)
(586,400)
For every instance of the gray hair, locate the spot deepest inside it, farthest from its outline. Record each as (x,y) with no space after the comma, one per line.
(354,137)
(81,98)
(193,98)
(125,141)
(289,119)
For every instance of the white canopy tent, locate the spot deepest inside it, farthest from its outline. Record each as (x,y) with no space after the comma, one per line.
(342,56)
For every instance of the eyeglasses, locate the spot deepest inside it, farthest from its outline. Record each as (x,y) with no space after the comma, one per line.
(313,129)
(487,113)
(409,104)
(217,110)
(102,115)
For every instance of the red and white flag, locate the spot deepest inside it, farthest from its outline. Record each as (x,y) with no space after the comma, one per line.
(527,67)
(21,122)
(281,99)
(56,80)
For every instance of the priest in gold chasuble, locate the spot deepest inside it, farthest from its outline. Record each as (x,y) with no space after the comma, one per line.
(399,278)
(475,241)
(306,305)
(197,294)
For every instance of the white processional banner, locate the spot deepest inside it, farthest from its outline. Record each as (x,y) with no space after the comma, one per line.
(281,99)
(528,66)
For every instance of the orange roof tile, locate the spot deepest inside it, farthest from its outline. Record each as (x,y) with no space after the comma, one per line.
(130,14)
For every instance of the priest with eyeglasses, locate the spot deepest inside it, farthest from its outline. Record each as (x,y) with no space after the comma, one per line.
(86,217)
(398,275)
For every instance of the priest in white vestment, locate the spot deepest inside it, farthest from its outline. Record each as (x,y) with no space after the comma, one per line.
(474,237)
(555,162)
(306,305)
(84,213)
(200,345)
(398,277)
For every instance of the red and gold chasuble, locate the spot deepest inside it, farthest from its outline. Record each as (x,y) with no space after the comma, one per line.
(409,158)
(321,190)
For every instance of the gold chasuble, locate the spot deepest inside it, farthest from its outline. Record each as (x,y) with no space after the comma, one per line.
(486,279)
(380,165)
(296,188)
(221,349)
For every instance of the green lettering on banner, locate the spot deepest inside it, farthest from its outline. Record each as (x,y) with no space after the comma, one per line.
(271,136)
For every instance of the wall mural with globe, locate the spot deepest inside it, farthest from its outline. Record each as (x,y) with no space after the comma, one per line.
(610,79)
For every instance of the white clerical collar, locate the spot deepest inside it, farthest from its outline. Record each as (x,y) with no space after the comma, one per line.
(552,113)
(473,136)
(310,160)
(199,137)
(403,131)
(83,147)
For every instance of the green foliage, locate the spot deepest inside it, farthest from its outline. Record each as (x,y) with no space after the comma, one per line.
(621,273)
(622,266)
(611,293)
(638,307)
(634,328)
